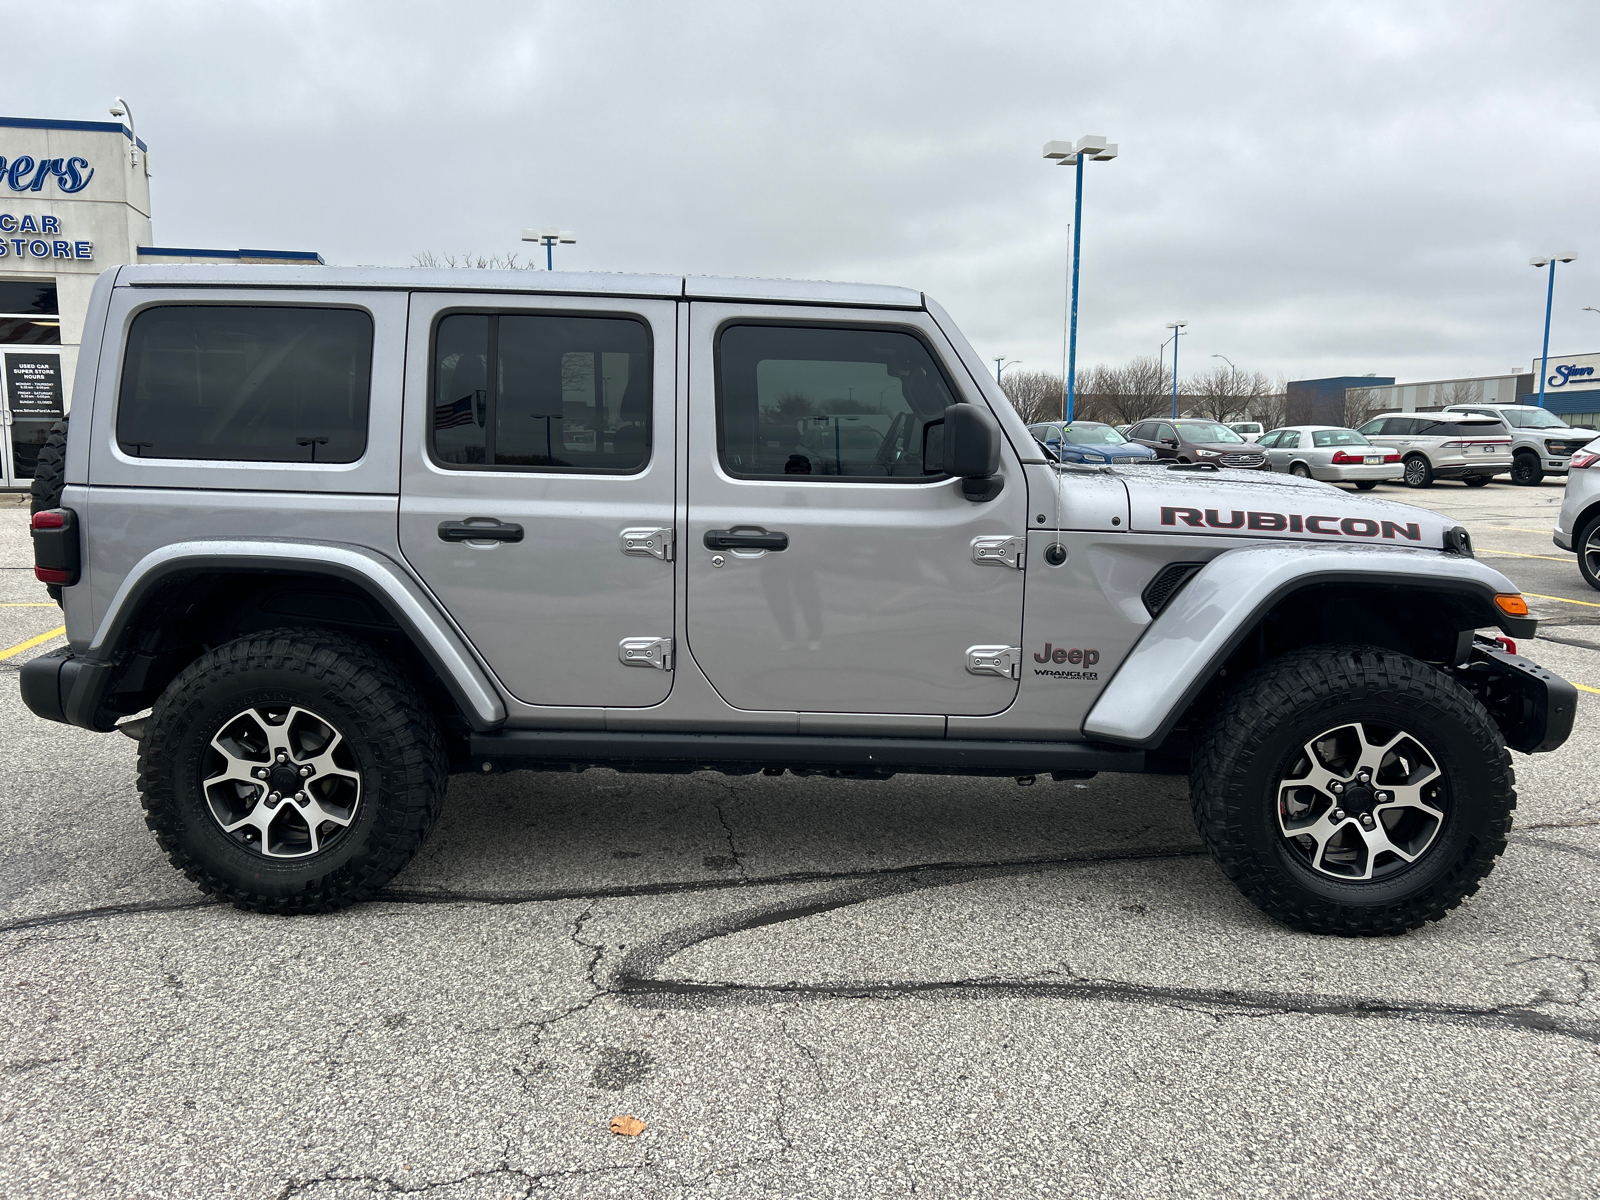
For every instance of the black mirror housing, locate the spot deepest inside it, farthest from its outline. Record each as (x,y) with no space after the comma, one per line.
(972,450)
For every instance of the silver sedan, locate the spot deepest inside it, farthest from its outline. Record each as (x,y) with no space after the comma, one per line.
(1331,453)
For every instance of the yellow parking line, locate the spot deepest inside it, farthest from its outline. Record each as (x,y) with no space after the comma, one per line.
(1514,554)
(32,642)
(28,604)
(1563,600)
(1519,529)
(1584,687)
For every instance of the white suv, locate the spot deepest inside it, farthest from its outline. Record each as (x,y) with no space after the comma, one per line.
(1578,526)
(1541,442)
(1444,445)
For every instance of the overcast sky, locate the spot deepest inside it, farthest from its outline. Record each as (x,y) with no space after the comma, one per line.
(1318,188)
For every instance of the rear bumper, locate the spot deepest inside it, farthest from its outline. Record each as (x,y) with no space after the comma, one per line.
(1467,470)
(64,687)
(1563,540)
(1361,473)
(1534,708)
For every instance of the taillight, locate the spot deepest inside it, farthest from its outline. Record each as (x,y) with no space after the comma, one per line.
(1392,456)
(1453,445)
(50,518)
(1580,461)
(55,546)
(1344,458)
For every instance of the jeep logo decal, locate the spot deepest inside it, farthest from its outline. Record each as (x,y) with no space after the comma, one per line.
(1270,522)
(1086,658)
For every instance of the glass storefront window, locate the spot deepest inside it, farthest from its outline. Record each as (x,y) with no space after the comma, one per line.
(29,313)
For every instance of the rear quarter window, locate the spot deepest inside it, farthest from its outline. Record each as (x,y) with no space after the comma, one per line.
(246,383)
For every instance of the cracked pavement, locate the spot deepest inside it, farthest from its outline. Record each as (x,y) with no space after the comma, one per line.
(804,988)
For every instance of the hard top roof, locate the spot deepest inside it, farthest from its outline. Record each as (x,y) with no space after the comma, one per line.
(526,282)
(1433,416)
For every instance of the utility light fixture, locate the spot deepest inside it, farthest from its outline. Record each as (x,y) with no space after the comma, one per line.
(1548,260)
(1092,146)
(549,237)
(1545,259)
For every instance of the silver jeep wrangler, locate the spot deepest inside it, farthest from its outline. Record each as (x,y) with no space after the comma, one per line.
(325,536)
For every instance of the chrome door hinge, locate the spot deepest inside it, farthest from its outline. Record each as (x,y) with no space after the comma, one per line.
(1005,661)
(648,543)
(1001,551)
(646,652)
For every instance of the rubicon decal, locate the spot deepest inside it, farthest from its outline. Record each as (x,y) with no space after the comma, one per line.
(1272,522)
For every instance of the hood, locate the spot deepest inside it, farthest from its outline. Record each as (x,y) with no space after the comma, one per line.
(1257,504)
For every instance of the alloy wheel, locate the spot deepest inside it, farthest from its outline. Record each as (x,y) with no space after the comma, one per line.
(1361,802)
(281,780)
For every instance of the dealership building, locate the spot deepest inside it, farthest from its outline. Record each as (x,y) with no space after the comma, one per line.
(1571,390)
(74,201)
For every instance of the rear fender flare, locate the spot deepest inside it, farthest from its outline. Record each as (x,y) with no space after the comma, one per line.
(402,597)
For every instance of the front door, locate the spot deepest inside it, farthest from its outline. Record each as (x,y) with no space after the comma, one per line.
(32,399)
(537,487)
(828,568)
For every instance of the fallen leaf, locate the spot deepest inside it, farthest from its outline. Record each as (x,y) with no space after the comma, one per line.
(627,1125)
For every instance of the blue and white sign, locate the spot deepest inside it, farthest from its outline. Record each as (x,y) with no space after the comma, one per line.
(27,174)
(1571,371)
(33,245)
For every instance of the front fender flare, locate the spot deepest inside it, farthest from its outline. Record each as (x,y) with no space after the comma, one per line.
(431,632)
(1204,623)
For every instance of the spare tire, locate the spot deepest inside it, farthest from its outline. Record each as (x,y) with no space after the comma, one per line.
(49,477)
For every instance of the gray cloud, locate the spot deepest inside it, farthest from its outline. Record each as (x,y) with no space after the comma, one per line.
(1318,189)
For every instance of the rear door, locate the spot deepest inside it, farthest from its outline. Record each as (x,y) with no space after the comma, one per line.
(826,571)
(537,487)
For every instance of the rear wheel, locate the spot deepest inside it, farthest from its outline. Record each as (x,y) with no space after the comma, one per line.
(1589,553)
(291,771)
(1419,472)
(1366,485)
(1526,469)
(1476,481)
(1300,469)
(1353,790)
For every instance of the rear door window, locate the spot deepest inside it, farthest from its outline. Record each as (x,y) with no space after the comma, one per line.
(246,383)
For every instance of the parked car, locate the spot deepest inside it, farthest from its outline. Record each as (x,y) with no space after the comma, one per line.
(1250,431)
(1541,442)
(1330,453)
(1191,440)
(1443,445)
(324,536)
(1578,524)
(1089,442)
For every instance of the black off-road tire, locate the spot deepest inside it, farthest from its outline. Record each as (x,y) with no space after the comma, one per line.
(49,478)
(1258,733)
(1526,469)
(392,736)
(1418,472)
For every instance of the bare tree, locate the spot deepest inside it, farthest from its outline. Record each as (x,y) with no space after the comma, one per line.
(1224,394)
(1361,405)
(1036,395)
(1464,391)
(1123,395)
(1271,407)
(482,262)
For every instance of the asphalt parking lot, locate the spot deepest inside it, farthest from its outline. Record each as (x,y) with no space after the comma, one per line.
(803,987)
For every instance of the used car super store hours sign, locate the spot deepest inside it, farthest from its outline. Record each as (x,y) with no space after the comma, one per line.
(39,238)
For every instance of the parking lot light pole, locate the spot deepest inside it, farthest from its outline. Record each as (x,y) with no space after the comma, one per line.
(548,237)
(1177,331)
(1548,260)
(1095,147)
(1001,363)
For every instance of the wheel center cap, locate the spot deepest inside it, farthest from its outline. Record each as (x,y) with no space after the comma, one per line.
(285,780)
(1358,799)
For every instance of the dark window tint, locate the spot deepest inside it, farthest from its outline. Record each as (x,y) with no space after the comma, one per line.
(27,296)
(1398,426)
(246,384)
(30,331)
(567,393)
(827,402)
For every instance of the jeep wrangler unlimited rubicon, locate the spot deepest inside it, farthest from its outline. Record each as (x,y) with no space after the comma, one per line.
(324,536)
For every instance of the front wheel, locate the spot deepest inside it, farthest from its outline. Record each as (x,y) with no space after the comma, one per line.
(1419,472)
(1353,790)
(1300,469)
(1526,470)
(291,771)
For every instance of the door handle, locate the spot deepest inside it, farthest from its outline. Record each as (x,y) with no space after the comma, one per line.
(744,538)
(479,529)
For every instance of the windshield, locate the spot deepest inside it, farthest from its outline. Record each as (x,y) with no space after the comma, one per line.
(1338,437)
(1208,431)
(1532,418)
(1246,427)
(1094,435)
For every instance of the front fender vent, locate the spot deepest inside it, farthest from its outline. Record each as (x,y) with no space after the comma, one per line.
(1167,583)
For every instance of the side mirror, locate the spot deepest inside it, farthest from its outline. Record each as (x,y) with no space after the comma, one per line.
(1172,442)
(972,450)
